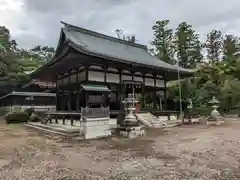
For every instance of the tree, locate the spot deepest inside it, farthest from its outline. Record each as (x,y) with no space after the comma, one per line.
(15,62)
(230,46)
(162,41)
(5,39)
(44,53)
(188,46)
(121,35)
(9,66)
(213,45)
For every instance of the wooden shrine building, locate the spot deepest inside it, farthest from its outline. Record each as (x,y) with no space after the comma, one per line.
(92,69)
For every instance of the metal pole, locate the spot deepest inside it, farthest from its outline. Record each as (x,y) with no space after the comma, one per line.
(180,91)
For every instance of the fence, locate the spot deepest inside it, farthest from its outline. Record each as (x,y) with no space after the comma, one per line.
(95,112)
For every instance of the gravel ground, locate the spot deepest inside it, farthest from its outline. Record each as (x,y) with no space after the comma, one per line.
(197,152)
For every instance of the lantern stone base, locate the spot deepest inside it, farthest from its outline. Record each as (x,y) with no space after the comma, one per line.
(214,122)
(132,132)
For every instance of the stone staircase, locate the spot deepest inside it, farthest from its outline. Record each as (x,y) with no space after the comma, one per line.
(58,129)
(150,120)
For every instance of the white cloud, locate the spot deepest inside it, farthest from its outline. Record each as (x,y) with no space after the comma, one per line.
(11,15)
(38,21)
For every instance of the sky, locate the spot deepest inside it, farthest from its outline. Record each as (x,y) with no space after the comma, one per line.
(33,22)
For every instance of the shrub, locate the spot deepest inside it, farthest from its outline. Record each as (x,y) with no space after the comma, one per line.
(29,111)
(204,111)
(16,117)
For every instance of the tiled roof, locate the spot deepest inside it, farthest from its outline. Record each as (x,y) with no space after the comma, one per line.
(114,48)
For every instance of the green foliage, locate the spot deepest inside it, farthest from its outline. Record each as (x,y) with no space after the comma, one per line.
(9,66)
(16,117)
(162,41)
(15,63)
(212,80)
(230,46)
(42,53)
(214,45)
(29,111)
(188,46)
(183,44)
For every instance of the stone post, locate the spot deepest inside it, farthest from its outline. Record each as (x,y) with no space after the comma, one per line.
(190,107)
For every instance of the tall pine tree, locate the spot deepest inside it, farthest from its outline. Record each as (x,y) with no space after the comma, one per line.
(162,41)
(214,45)
(231,45)
(188,46)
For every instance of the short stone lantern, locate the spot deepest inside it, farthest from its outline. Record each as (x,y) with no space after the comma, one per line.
(130,127)
(215,115)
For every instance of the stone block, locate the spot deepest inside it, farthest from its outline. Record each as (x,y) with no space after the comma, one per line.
(93,128)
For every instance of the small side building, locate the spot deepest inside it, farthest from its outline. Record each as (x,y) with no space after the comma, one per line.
(23,100)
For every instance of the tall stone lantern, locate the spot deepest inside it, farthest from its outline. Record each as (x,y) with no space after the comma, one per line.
(130,108)
(215,115)
(130,127)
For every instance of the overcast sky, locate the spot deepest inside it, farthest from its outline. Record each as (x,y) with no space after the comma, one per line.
(33,22)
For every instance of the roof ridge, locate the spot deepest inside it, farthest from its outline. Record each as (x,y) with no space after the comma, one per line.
(104,36)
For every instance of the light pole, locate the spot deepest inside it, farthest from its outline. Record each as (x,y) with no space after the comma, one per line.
(180,91)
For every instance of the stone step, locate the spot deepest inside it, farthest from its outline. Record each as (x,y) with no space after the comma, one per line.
(55,129)
(150,120)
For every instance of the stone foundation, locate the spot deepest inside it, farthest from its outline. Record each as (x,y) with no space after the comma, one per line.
(132,132)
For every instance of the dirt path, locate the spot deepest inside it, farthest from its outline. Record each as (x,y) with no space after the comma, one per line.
(189,152)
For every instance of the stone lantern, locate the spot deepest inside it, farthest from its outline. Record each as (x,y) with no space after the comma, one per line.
(215,115)
(130,127)
(130,108)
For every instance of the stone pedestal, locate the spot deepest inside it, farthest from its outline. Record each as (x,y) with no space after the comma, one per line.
(132,132)
(93,128)
(214,122)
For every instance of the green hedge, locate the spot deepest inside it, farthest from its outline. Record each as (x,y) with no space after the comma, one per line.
(203,111)
(16,117)
(29,111)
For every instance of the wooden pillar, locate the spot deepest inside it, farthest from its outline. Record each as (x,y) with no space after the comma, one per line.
(56,119)
(120,89)
(57,95)
(86,72)
(58,108)
(62,96)
(105,67)
(165,93)
(63,120)
(155,94)
(143,92)
(78,91)
(87,78)
(69,92)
